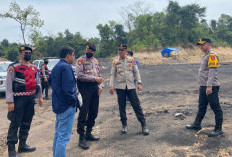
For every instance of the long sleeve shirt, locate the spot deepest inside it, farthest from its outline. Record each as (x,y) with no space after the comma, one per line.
(208,71)
(62,81)
(88,69)
(123,73)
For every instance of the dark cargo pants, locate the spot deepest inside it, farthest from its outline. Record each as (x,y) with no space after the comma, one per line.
(89,108)
(20,119)
(213,100)
(133,98)
(45,86)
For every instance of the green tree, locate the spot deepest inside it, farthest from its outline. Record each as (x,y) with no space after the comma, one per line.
(213,25)
(25,17)
(107,46)
(12,53)
(130,12)
(224,29)
(2,50)
(5,43)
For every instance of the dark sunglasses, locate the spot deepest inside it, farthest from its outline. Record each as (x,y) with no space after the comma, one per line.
(26,52)
(121,49)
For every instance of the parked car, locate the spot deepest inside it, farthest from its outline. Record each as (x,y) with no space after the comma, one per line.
(51,63)
(3,72)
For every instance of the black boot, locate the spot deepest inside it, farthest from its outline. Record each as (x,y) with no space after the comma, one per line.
(216,132)
(82,142)
(193,126)
(11,151)
(89,136)
(145,130)
(23,147)
(124,129)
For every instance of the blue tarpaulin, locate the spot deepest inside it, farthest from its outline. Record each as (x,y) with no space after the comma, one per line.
(167,51)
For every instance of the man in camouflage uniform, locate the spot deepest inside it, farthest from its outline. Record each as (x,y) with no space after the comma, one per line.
(90,85)
(208,88)
(123,73)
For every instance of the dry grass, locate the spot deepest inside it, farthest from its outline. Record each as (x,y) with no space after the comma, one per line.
(184,56)
(3,59)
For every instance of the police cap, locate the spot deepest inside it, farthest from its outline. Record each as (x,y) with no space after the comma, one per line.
(203,41)
(122,46)
(90,46)
(24,47)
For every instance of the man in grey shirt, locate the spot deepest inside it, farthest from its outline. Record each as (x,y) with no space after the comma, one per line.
(208,88)
(123,73)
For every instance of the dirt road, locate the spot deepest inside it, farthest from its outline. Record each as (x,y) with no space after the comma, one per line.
(167,90)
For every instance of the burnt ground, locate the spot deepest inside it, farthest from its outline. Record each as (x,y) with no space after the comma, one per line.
(167,90)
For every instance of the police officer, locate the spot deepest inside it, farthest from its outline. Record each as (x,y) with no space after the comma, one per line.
(208,88)
(123,73)
(22,84)
(44,74)
(90,85)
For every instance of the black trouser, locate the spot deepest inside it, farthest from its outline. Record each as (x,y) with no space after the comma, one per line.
(45,86)
(20,119)
(133,97)
(89,107)
(213,100)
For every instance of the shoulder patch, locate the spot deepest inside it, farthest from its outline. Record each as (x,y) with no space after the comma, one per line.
(79,61)
(113,63)
(213,61)
(33,67)
(134,61)
(10,69)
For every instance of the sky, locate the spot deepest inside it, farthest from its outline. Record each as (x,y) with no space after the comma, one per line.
(84,15)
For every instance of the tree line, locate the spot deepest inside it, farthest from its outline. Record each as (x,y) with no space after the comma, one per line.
(146,31)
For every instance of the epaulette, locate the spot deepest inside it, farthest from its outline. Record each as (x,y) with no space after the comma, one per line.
(13,64)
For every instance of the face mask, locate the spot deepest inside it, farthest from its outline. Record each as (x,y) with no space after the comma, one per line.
(46,62)
(89,54)
(27,57)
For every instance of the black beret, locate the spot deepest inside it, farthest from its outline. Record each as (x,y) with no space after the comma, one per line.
(122,46)
(203,40)
(90,46)
(24,47)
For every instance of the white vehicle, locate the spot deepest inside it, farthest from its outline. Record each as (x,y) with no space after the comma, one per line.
(51,63)
(3,72)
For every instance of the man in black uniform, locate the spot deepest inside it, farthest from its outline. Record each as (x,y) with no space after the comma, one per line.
(44,74)
(90,85)
(22,84)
